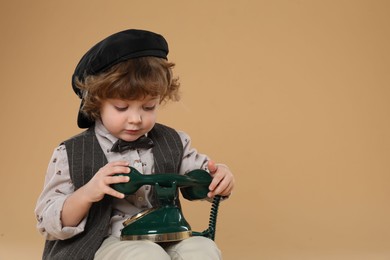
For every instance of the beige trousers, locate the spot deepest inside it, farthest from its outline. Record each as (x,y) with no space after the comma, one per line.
(197,248)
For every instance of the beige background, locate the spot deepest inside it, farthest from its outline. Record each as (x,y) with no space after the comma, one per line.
(292,95)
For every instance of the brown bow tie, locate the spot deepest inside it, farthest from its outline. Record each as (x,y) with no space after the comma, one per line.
(141,143)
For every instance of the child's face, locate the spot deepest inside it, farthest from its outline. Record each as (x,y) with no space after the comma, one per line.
(129,119)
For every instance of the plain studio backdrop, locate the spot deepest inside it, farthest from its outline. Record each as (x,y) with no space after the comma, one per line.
(292,94)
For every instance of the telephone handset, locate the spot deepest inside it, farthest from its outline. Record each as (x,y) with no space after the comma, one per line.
(167,223)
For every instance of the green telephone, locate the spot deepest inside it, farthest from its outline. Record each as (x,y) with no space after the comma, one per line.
(167,223)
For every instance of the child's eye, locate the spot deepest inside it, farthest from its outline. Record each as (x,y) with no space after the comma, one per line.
(151,108)
(120,109)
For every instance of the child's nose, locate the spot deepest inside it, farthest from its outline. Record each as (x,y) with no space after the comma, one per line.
(135,118)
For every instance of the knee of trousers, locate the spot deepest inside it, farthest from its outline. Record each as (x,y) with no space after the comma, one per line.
(123,250)
(195,248)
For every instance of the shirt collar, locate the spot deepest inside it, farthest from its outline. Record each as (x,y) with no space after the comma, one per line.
(101,130)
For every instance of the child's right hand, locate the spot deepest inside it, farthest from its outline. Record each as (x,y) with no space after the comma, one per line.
(100,183)
(77,205)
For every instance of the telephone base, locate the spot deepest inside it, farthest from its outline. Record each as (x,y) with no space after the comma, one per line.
(167,237)
(164,224)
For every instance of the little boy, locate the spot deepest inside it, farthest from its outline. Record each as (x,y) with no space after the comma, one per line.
(121,81)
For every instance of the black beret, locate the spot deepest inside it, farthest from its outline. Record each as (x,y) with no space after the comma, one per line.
(112,50)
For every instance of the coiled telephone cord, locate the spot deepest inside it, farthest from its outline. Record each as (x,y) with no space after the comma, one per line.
(210,232)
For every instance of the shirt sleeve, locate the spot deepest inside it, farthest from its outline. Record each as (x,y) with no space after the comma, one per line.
(192,160)
(57,188)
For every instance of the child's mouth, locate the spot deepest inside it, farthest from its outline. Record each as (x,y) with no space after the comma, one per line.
(132,132)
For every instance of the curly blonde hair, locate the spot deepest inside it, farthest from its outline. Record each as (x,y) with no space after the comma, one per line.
(133,79)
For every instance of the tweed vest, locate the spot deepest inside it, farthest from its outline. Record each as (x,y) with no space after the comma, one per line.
(85,158)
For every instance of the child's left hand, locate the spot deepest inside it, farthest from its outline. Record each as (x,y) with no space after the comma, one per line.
(223,180)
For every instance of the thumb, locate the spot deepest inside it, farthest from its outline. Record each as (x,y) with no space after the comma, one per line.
(212,166)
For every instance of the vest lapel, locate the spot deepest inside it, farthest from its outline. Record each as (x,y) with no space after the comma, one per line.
(168,149)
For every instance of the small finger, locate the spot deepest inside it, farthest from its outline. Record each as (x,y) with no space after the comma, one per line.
(119,169)
(227,191)
(115,193)
(215,182)
(118,179)
(119,163)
